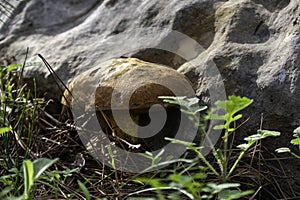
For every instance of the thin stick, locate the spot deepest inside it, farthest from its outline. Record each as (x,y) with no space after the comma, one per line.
(56,78)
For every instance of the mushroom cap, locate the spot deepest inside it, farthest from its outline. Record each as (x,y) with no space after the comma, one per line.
(126,83)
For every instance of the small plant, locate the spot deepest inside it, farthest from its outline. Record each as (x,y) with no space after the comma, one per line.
(194,183)
(192,186)
(32,172)
(295,141)
(229,108)
(20,112)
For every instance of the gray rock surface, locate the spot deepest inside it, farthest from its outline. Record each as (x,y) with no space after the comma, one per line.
(75,36)
(256,48)
(254,44)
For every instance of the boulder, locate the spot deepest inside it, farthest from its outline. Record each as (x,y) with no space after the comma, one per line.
(75,36)
(256,49)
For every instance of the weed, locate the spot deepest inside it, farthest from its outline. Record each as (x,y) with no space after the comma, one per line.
(32,171)
(192,181)
(20,111)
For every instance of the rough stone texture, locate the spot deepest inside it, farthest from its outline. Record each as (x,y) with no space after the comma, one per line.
(256,49)
(254,44)
(77,36)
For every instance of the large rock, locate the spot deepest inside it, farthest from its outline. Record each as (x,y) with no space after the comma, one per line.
(256,48)
(254,44)
(77,35)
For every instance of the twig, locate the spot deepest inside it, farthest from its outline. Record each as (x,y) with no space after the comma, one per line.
(56,78)
(256,192)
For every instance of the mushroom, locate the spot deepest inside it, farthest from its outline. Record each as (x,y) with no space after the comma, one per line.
(124,94)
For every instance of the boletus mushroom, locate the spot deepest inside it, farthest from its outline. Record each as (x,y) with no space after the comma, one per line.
(124,95)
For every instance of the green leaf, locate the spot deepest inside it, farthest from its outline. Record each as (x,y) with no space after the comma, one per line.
(244,146)
(297,131)
(218,117)
(218,127)
(175,177)
(4,130)
(16,198)
(221,104)
(193,101)
(181,101)
(237,103)
(231,129)
(268,133)
(261,134)
(155,183)
(84,190)
(5,192)
(41,164)
(231,106)
(283,150)
(218,188)
(297,135)
(176,141)
(254,137)
(28,177)
(233,194)
(219,156)
(13,67)
(237,117)
(187,105)
(295,141)
(234,104)
(199,175)
(182,180)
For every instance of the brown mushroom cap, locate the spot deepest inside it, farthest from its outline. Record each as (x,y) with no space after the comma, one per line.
(126,80)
